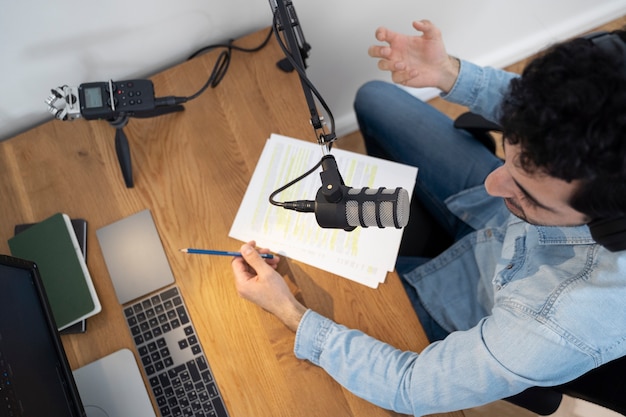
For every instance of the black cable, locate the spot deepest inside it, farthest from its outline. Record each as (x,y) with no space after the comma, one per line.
(219,69)
(289,184)
(304,78)
(301,205)
(232,46)
(217,74)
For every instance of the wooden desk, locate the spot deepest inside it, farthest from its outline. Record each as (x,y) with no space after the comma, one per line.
(191,170)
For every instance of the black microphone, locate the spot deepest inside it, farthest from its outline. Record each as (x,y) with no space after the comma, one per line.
(338,206)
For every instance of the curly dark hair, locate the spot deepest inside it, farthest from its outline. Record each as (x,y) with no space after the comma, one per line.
(568,114)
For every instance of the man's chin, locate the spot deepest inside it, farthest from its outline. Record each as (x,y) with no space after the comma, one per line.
(515,210)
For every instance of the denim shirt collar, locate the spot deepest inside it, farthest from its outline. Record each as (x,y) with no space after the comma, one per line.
(573,235)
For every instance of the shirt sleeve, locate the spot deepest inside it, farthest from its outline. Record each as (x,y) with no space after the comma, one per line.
(481,89)
(456,373)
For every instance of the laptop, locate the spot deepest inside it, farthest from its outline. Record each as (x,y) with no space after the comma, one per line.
(35,377)
(156,314)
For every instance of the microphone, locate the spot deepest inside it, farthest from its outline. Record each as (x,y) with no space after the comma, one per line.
(338,206)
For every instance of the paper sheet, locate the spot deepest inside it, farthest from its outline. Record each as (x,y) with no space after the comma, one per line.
(364,255)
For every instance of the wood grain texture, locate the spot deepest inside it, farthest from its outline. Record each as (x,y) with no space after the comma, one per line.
(191,170)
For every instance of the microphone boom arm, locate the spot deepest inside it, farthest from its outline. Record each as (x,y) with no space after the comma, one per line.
(336,206)
(286,21)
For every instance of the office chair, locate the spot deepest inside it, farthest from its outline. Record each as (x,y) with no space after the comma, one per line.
(605,385)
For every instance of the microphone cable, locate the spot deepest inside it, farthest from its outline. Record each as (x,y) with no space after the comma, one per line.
(305,79)
(219,68)
(301,205)
(307,206)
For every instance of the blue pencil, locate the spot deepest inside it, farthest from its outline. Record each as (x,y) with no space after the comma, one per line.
(221,253)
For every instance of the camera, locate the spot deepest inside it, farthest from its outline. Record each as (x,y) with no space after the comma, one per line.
(101,100)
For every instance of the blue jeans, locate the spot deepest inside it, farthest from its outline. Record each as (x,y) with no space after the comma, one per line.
(398,126)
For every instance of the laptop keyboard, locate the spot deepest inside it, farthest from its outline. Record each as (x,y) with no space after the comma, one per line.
(9,404)
(172,357)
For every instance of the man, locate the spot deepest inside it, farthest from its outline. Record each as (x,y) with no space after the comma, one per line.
(525,296)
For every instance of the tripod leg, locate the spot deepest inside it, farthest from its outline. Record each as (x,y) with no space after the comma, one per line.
(121,141)
(123,156)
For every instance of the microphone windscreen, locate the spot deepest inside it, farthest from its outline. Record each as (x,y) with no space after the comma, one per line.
(389,202)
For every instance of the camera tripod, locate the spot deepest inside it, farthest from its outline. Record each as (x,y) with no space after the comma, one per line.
(122,148)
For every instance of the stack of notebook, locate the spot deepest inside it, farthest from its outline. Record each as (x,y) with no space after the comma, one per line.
(58,246)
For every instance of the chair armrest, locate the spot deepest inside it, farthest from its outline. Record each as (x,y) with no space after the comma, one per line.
(479,127)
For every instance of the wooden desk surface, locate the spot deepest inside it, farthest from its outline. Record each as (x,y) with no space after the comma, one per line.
(191,170)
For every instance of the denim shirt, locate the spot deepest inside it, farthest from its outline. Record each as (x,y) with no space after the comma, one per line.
(526,305)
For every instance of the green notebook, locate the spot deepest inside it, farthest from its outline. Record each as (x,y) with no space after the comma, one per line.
(53,246)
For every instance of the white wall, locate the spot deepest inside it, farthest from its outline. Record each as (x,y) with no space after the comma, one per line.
(47,44)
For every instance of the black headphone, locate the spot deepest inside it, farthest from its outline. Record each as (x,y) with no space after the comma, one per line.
(609,232)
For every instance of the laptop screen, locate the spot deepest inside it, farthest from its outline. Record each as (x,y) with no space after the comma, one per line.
(35,378)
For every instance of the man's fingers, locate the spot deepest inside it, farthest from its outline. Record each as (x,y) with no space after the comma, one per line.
(251,256)
(429,30)
(378,51)
(381,34)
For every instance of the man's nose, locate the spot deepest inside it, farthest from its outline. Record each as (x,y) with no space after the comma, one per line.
(500,183)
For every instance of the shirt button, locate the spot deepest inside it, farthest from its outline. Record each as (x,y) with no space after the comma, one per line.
(509,266)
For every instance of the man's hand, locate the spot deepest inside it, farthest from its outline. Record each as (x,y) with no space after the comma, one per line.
(416,61)
(256,280)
